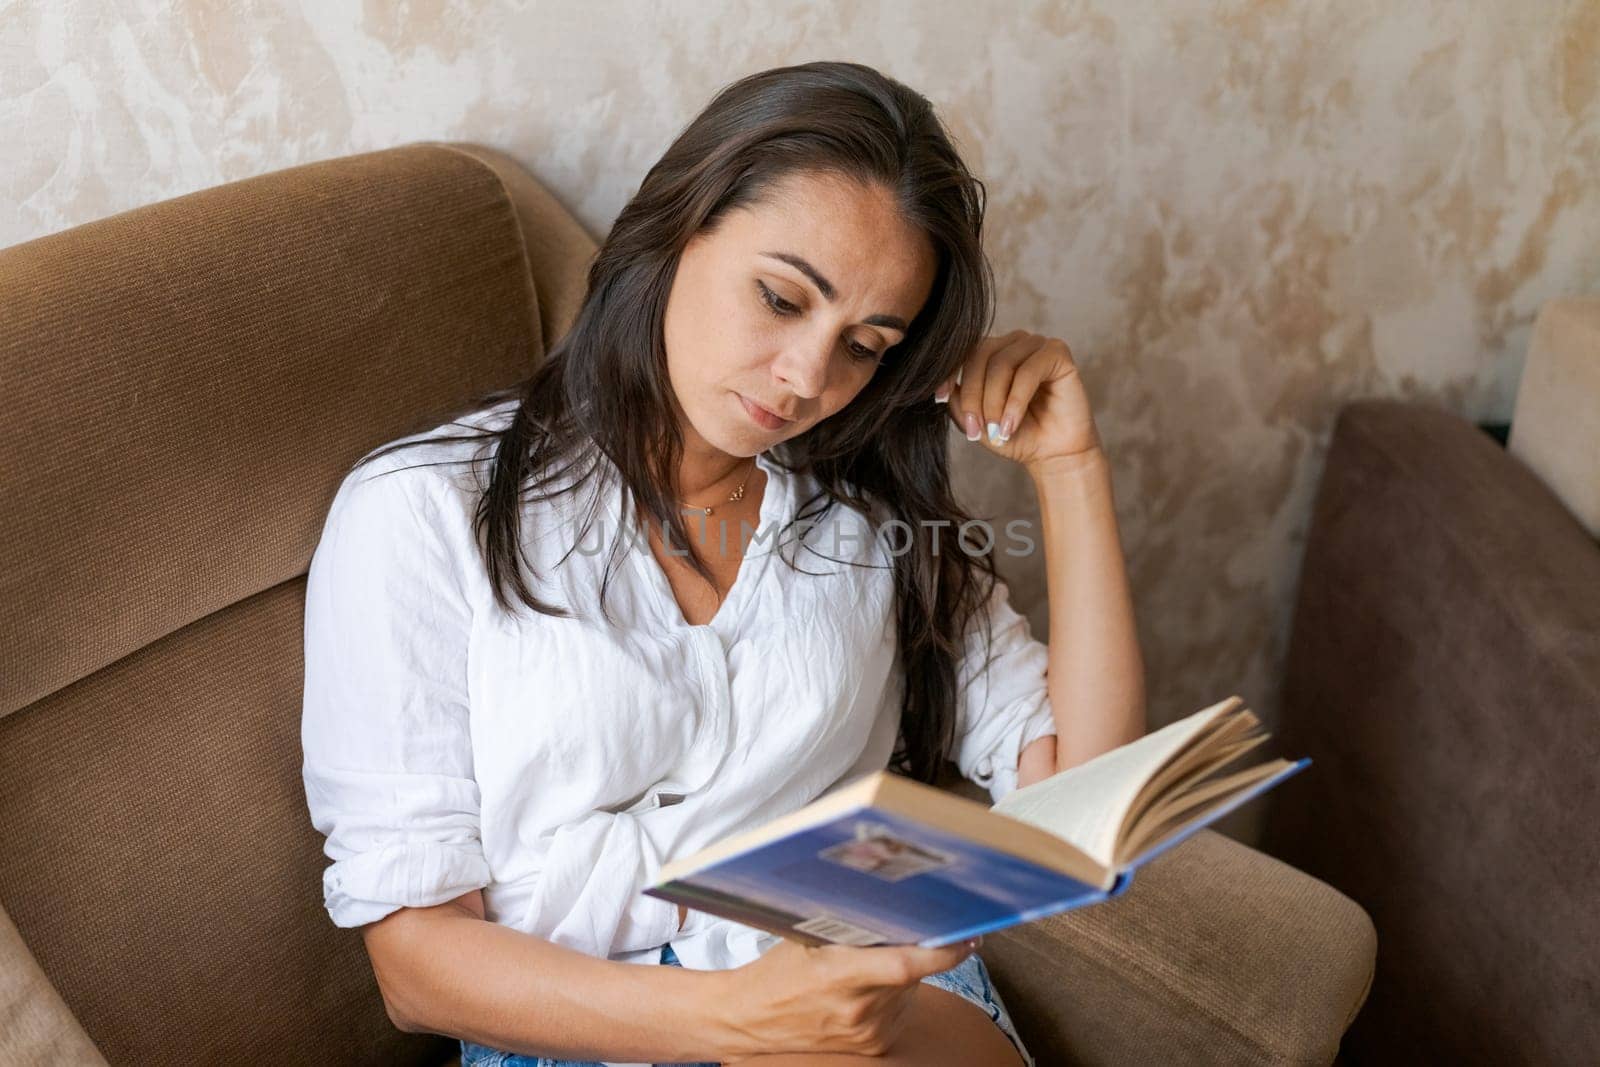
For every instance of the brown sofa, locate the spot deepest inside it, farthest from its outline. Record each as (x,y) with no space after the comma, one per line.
(186,384)
(1444,676)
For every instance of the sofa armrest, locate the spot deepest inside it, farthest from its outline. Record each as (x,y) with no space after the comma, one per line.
(1216,953)
(36,1026)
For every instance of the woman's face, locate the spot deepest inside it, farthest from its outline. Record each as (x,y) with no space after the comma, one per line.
(748,324)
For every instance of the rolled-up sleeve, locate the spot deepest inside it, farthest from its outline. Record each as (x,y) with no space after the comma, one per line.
(386,744)
(1002,704)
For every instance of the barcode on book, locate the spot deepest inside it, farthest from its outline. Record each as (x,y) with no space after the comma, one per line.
(838,931)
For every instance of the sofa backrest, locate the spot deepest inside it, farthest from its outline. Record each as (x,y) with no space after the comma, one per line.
(1443,674)
(185,386)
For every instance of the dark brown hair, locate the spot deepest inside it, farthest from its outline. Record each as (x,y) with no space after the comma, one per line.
(604,385)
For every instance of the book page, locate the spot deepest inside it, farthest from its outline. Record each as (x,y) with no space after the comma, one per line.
(1155,840)
(1194,765)
(1174,811)
(1086,804)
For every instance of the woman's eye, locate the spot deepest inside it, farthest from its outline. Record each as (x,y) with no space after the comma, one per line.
(775,303)
(783,309)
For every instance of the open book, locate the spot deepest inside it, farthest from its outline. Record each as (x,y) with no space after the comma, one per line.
(885,859)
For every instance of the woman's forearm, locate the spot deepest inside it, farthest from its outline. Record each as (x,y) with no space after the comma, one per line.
(1096,672)
(465,977)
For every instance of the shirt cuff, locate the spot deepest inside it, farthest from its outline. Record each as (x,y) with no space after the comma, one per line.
(365,887)
(999,769)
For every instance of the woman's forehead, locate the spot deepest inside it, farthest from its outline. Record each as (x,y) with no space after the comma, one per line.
(854,238)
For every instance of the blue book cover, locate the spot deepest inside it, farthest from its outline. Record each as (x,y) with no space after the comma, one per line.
(889,860)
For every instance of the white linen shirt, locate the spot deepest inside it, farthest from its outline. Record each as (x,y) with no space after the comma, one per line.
(450,746)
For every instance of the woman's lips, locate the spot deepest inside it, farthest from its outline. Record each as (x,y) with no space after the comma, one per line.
(763,418)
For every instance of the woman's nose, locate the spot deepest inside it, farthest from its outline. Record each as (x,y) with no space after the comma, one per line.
(803,368)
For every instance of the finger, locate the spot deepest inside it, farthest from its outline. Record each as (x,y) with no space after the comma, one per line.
(962,404)
(1024,384)
(954,409)
(952,400)
(926,961)
(958,412)
(942,392)
(903,965)
(998,376)
(967,401)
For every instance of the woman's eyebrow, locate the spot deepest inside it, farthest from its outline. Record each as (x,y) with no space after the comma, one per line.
(829,293)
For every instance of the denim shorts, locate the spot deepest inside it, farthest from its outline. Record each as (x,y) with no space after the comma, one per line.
(969,979)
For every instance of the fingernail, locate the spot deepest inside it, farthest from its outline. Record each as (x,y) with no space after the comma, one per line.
(943,395)
(1007,425)
(994,433)
(973,433)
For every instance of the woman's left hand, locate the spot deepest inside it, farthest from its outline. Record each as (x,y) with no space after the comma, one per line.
(1025,398)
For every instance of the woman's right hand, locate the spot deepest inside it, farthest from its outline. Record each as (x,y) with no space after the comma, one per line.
(829,998)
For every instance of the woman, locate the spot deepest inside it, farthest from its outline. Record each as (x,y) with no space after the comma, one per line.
(774,334)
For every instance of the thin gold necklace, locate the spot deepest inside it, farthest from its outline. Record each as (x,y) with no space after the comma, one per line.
(738,494)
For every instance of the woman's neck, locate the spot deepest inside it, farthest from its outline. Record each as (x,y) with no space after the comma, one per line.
(706,471)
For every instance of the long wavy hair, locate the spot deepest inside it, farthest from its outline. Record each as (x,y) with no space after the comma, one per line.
(604,388)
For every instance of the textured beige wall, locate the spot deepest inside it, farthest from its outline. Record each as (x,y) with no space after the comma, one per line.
(1239,215)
